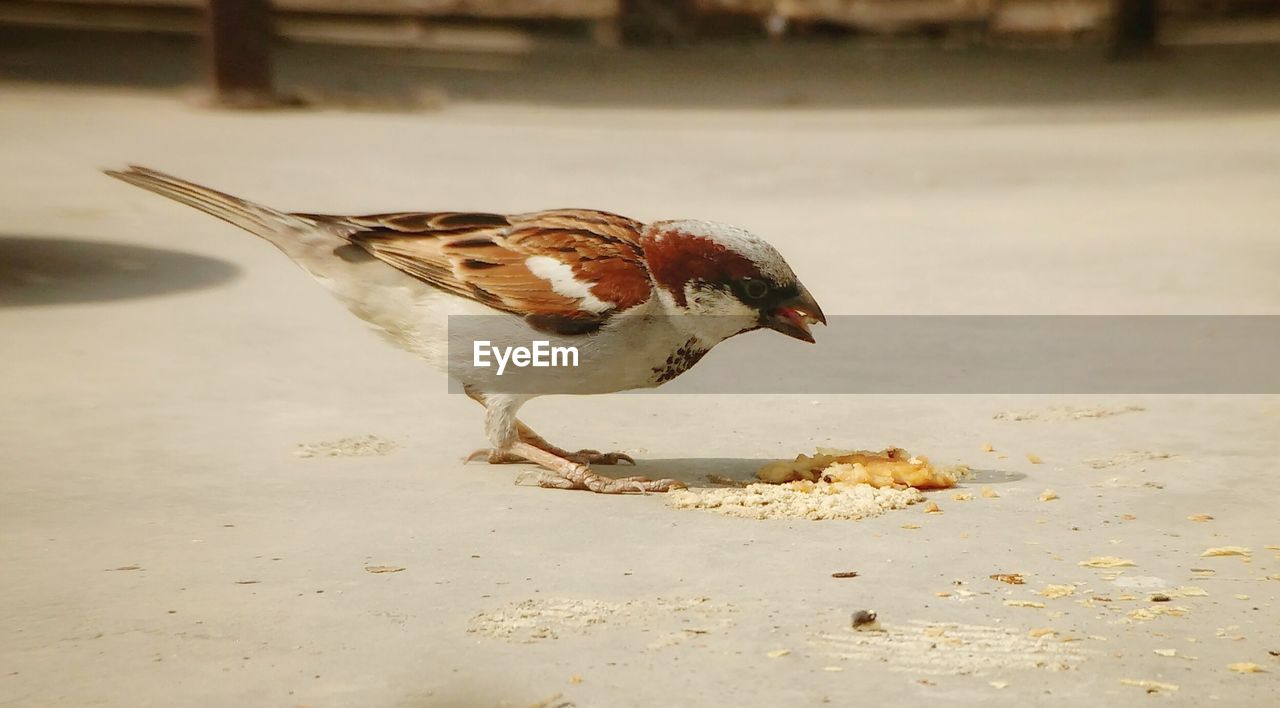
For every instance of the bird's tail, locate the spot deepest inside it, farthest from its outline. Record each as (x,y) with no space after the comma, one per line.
(280,228)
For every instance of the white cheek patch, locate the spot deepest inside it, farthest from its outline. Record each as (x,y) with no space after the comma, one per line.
(562,280)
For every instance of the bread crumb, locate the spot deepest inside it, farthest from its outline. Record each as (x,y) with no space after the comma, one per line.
(990,493)
(797,500)
(1107,562)
(986,447)
(1151,686)
(1041,632)
(1048,495)
(1242,597)
(1056,591)
(778,653)
(1200,518)
(1225,551)
(1246,667)
(1024,603)
(1010,578)
(961,496)
(998,684)
(889,467)
(1034,459)
(932,508)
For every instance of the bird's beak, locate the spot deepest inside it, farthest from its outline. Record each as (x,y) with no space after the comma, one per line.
(793,316)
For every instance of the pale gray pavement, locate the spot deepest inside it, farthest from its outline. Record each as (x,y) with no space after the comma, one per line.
(157,430)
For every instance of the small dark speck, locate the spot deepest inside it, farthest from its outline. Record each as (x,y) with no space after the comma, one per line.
(845,574)
(474,555)
(173,612)
(228,526)
(247,582)
(319,591)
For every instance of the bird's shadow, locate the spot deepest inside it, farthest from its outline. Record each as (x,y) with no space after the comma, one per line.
(736,471)
(50,270)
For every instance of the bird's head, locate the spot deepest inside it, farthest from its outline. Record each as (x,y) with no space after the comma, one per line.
(728,279)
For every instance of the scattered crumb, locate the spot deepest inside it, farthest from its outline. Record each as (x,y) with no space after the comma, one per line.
(1041,632)
(1200,517)
(1034,459)
(126,567)
(1166,652)
(989,493)
(961,496)
(1146,614)
(366,446)
(818,501)
(548,618)
(911,527)
(833,668)
(1191,591)
(1056,591)
(778,653)
(1067,413)
(1242,597)
(247,582)
(382,569)
(1048,495)
(942,594)
(986,447)
(962,649)
(1010,578)
(1107,562)
(845,574)
(1246,667)
(1226,551)
(998,684)
(1151,686)
(575,679)
(934,631)
(932,508)
(1024,603)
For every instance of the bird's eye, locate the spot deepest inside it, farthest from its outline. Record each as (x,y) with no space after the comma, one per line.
(755,289)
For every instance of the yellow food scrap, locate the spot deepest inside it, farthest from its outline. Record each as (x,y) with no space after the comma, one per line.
(962,496)
(1191,591)
(1107,562)
(1166,652)
(1145,614)
(1056,591)
(932,508)
(1246,667)
(575,679)
(1151,686)
(934,631)
(990,493)
(998,684)
(1041,632)
(986,447)
(1200,517)
(833,668)
(1242,597)
(942,594)
(911,527)
(778,653)
(887,468)
(1225,551)
(1023,603)
(1048,495)
(1034,458)
(1010,578)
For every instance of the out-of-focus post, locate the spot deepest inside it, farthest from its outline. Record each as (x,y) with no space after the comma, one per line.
(1135,27)
(239,39)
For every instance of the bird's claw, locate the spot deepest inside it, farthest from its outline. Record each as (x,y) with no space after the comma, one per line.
(595,457)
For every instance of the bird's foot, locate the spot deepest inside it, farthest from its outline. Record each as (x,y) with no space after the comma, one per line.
(563,473)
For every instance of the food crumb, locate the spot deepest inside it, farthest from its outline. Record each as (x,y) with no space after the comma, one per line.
(383,569)
(1226,551)
(1200,517)
(932,508)
(1041,632)
(1056,591)
(1034,459)
(911,527)
(778,653)
(961,496)
(990,493)
(942,594)
(1024,603)
(986,447)
(1010,578)
(1151,686)
(845,574)
(998,684)
(833,668)
(1107,562)
(1242,597)
(575,679)
(1048,495)
(1246,667)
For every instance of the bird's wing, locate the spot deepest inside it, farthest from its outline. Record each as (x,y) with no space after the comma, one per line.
(566,270)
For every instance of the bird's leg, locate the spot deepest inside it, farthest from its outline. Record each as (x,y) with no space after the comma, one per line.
(504,432)
(586,457)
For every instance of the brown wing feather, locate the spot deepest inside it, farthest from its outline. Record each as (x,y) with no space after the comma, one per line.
(485,257)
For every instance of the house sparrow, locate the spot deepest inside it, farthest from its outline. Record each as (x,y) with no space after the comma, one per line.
(641,302)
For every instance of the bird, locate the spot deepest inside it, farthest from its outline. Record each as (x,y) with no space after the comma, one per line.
(639,303)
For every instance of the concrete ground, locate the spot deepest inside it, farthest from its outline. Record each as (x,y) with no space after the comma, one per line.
(163,544)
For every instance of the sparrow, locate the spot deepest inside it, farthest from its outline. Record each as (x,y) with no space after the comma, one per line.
(641,303)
